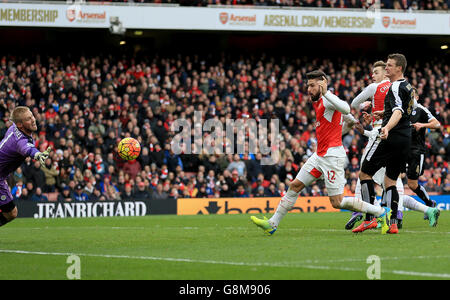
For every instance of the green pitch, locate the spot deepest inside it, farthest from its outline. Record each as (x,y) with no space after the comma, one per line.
(306,246)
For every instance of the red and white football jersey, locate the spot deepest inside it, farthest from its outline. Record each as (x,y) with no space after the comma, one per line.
(328,129)
(376,92)
(378,99)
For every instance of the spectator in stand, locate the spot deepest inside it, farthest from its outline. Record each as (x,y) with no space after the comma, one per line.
(142,192)
(38,196)
(105,185)
(65,195)
(16,191)
(315,191)
(51,172)
(171,159)
(241,192)
(79,194)
(173,193)
(446,186)
(128,195)
(272,191)
(16,176)
(112,193)
(237,164)
(35,175)
(159,194)
(282,189)
(30,187)
(132,168)
(259,192)
(157,154)
(97,196)
(25,195)
(225,191)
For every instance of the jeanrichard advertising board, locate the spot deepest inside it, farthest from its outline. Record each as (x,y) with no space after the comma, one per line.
(182,206)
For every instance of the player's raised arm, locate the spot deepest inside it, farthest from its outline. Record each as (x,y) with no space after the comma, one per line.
(339,105)
(334,100)
(42,156)
(365,95)
(26,148)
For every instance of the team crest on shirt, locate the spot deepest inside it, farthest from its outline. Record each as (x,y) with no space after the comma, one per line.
(3,197)
(414,113)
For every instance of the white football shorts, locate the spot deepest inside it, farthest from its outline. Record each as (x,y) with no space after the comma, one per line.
(329,168)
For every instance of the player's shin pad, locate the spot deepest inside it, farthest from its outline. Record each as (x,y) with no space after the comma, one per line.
(422,193)
(285,205)
(392,199)
(288,201)
(368,194)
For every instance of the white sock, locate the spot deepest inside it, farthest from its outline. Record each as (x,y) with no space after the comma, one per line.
(285,205)
(411,203)
(354,204)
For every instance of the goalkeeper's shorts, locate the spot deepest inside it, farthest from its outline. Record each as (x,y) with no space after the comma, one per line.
(5,194)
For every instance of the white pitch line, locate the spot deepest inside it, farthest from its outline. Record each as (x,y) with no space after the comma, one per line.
(188,260)
(210,227)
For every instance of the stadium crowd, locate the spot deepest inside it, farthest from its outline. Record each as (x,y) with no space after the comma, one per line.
(410,5)
(85,106)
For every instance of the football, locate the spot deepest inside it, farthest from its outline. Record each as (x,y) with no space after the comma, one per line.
(129,148)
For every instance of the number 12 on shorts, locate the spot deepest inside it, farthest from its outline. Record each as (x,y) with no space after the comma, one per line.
(331,176)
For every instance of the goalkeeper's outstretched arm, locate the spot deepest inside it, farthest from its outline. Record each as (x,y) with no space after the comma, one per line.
(42,156)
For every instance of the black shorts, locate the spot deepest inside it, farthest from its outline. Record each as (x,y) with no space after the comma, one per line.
(415,165)
(8,207)
(391,153)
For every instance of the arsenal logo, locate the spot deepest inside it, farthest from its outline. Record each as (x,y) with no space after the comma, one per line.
(386,21)
(70,14)
(223,17)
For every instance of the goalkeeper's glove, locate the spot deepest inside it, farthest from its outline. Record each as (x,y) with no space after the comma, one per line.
(42,156)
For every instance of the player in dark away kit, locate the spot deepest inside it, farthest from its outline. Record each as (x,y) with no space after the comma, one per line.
(15,147)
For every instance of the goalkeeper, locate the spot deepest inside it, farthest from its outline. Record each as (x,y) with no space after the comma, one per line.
(15,147)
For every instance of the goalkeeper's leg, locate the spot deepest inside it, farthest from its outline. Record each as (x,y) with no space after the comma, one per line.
(8,212)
